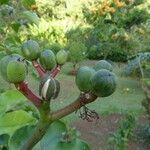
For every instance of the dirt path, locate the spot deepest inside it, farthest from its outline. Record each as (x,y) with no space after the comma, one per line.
(97,134)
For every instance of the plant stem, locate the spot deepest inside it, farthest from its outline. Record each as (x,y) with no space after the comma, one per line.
(41,127)
(24,89)
(80,101)
(39,69)
(55,71)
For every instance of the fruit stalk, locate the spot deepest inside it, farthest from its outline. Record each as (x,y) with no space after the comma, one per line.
(55,71)
(24,89)
(39,69)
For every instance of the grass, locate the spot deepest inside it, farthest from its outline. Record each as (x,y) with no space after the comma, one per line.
(127,97)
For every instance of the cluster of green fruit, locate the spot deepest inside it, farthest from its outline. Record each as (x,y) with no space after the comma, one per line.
(14,69)
(100,80)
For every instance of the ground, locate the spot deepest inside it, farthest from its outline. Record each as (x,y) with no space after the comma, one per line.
(98,133)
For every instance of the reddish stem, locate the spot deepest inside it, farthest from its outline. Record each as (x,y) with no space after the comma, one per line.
(55,71)
(38,68)
(24,89)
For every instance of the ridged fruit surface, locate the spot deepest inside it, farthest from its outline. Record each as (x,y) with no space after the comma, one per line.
(31,50)
(47,59)
(103,83)
(61,57)
(103,64)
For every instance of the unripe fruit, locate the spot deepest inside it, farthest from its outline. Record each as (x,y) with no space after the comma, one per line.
(16,71)
(4,63)
(61,57)
(103,83)
(57,89)
(47,59)
(103,64)
(6,10)
(49,88)
(31,50)
(83,78)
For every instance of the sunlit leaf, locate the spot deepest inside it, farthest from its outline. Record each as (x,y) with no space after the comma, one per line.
(11,121)
(28,3)
(9,100)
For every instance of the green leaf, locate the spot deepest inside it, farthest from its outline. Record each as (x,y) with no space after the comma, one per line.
(53,139)
(15,26)
(4,2)
(31,17)
(28,3)
(20,137)
(4,139)
(11,121)
(10,99)
(76,144)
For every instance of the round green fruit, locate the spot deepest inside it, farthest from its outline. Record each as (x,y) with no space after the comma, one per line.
(4,63)
(16,71)
(61,57)
(103,64)
(31,50)
(83,78)
(47,59)
(103,83)
(6,10)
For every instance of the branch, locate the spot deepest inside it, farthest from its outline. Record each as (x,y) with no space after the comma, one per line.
(39,69)
(82,100)
(40,129)
(24,89)
(55,71)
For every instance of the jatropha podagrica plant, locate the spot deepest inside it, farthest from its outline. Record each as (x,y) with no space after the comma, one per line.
(98,81)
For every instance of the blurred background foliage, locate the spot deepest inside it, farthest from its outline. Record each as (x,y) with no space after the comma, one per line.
(93,29)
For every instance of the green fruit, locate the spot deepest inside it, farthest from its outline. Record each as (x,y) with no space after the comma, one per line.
(49,88)
(57,89)
(61,57)
(31,50)
(103,83)
(4,63)
(16,71)
(6,10)
(103,64)
(47,59)
(83,78)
